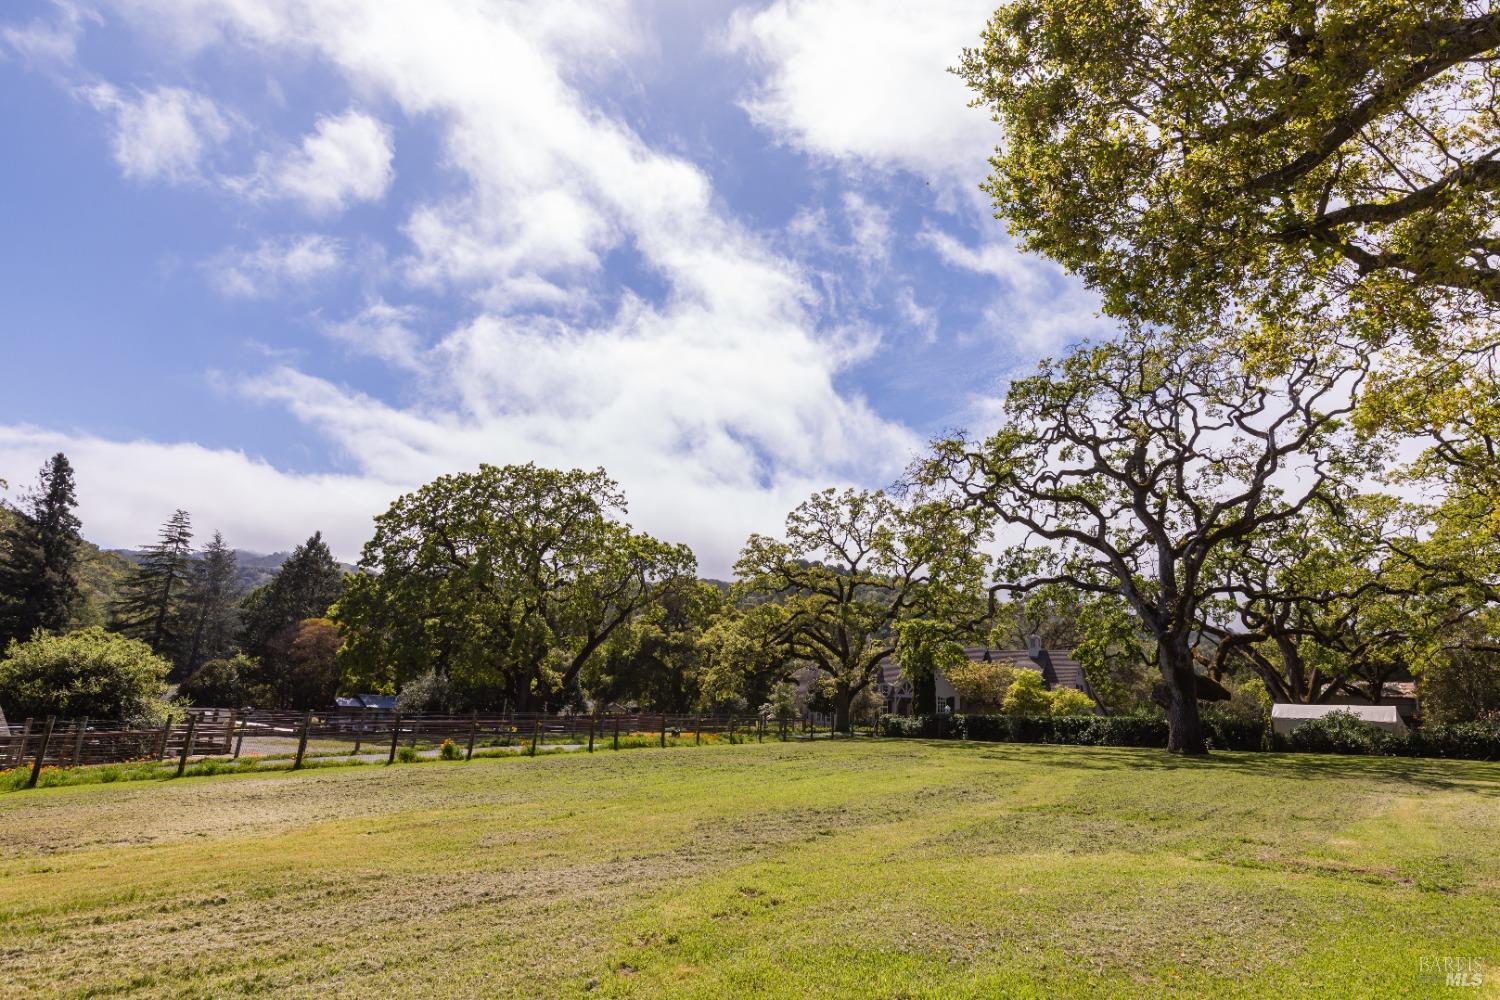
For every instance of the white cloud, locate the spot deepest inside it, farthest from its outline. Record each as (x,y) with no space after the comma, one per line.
(346,159)
(1023,273)
(382,331)
(1036,307)
(718,407)
(126,488)
(40,41)
(162,133)
(866,81)
(274,265)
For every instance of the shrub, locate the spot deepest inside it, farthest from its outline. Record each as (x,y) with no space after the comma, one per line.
(407,755)
(979,684)
(1224,731)
(449,751)
(1070,701)
(90,673)
(431,692)
(1461,741)
(1027,695)
(220,683)
(1249,701)
(1336,732)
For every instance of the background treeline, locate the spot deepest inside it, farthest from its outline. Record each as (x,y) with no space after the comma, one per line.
(1279,479)
(110,634)
(522,588)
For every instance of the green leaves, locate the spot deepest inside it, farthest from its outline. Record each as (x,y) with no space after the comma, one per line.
(509,580)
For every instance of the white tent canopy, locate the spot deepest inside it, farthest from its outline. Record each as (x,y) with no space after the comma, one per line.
(1285,717)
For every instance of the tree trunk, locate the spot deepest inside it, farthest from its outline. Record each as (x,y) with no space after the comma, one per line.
(841,700)
(924,695)
(1185,729)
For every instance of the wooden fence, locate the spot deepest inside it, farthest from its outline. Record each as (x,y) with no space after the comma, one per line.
(375,732)
(222,732)
(78,742)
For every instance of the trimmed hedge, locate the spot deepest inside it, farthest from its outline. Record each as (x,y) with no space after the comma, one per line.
(1344,732)
(1465,741)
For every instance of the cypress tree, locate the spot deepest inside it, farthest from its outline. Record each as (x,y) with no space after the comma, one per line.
(209,615)
(39,556)
(304,587)
(149,608)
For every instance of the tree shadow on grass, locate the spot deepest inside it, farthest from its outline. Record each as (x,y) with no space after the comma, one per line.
(1476,777)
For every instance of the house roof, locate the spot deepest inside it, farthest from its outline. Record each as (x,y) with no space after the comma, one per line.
(382,702)
(1058,669)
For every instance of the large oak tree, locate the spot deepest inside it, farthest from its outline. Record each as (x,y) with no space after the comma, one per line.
(1129,467)
(508,581)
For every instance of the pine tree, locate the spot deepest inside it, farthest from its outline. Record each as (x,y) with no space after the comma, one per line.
(39,555)
(152,596)
(304,587)
(209,617)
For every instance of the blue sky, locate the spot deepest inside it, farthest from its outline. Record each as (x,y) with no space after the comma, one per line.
(278,262)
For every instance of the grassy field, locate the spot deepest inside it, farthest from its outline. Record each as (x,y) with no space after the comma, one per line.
(863,869)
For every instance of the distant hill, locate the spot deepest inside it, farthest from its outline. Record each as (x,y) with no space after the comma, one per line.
(254,568)
(100,574)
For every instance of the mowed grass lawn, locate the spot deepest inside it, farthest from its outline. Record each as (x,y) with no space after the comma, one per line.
(859,869)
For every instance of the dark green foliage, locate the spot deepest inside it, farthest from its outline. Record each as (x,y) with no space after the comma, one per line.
(89,673)
(510,581)
(1337,732)
(149,604)
(1460,741)
(209,618)
(305,586)
(1077,730)
(304,673)
(220,683)
(1344,732)
(39,556)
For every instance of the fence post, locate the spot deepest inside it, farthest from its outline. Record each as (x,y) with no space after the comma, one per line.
(664,729)
(187,745)
(592,723)
(731,730)
(239,735)
(301,740)
(473,732)
(25,739)
(36,769)
(83,726)
(166,734)
(359,733)
(536,731)
(760,730)
(395,736)
(617,732)
(698,732)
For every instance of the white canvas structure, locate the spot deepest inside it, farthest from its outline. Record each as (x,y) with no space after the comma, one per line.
(1285,718)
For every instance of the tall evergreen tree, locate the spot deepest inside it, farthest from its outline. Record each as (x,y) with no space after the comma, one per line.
(149,608)
(209,617)
(304,587)
(39,555)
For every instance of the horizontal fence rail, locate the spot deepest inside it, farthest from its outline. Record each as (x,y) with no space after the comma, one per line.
(79,742)
(208,732)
